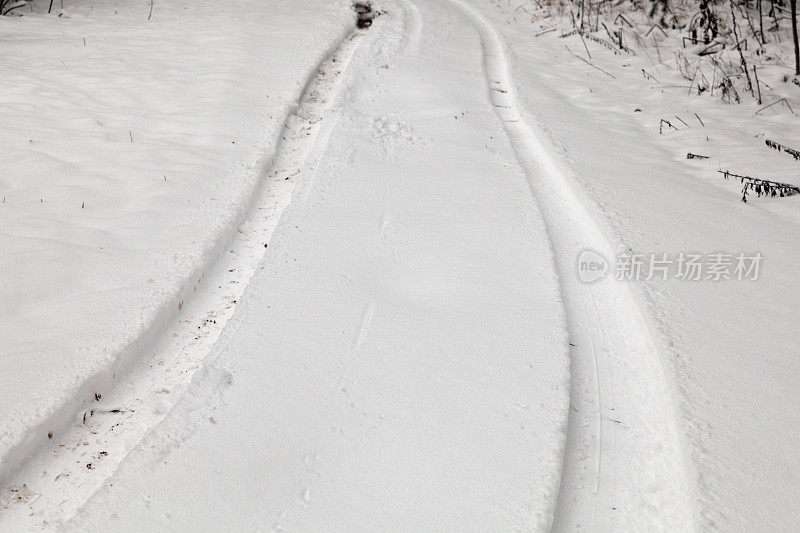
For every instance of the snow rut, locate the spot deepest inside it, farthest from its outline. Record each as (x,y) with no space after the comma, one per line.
(53,485)
(623,460)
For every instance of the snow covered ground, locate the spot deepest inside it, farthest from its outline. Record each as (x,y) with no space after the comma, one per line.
(731,346)
(131,148)
(393,330)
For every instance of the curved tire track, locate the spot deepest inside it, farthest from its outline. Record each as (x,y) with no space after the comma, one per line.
(623,463)
(77,463)
(413,25)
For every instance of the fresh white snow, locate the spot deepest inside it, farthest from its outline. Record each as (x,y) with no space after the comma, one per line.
(266,270)
(730,347)
(128,163)
(416,400)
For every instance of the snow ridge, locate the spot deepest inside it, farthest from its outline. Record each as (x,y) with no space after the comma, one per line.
(98,436)
(413,25)
(623,466)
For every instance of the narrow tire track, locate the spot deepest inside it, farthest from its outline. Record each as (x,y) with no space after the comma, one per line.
(61,476)
(623,460)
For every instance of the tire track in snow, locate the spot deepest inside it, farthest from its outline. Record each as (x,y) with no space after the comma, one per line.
(53,485)
(309,185)
(363,328)
(623,461)
(346,381)
(413,25)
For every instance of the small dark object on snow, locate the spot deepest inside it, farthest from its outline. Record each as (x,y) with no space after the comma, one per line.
(364,13)
(690,155)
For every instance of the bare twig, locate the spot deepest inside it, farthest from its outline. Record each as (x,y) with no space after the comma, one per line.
(653,27)
(781,148)
(699,119)
(647,75)
(626,21)
(739,48)
(668,123)
(590,63)
(580,34)
(758,85)
(776,102)
(761,187)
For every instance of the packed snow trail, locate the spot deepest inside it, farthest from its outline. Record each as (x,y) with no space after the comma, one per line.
(399,357)
(399,360)
(623,466)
